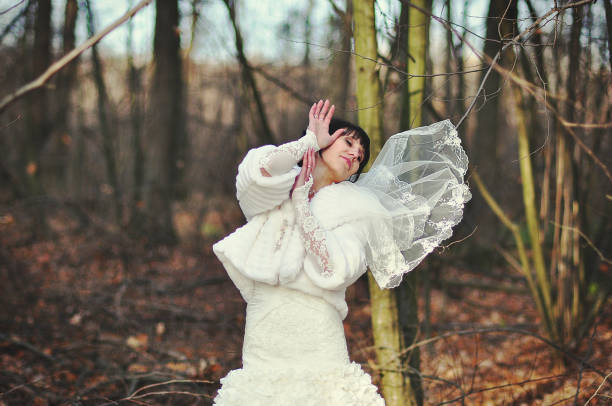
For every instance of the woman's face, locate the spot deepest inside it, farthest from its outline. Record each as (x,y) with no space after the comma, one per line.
(343,157)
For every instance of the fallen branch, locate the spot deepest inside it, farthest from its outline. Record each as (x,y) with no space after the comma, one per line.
(138,395)
(598,388)
(69,57)
(27,346)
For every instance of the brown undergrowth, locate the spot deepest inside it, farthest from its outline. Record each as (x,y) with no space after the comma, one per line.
(91,318)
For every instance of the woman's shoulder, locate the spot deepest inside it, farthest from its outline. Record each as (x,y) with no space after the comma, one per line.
(344,202)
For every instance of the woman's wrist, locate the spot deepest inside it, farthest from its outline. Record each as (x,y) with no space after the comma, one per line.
(301,192)
(310,139)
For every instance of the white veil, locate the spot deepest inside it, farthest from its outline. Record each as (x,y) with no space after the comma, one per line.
(418,180)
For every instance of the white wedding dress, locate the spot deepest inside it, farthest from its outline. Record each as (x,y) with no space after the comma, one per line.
(295,257)
(295,353)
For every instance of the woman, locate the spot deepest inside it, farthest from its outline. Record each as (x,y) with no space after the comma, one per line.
(310,234)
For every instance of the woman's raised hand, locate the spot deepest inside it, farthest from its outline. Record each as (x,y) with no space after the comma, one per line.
(319,118)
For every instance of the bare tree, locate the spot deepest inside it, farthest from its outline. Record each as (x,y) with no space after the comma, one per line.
(385,326)
(37,105)
(165,159)
(65,84)
(66,78)
(260,117)
(105,118)
(135,97)
(501,25)
(341,77)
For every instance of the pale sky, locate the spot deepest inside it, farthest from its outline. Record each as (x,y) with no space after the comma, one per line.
(260,22)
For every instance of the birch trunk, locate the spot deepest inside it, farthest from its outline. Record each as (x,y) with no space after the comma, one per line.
(384,306)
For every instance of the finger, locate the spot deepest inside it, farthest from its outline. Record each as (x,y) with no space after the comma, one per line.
(312,110)
(323,112)
(314,158)
(313,161)
(330,114)
(310,162)
(318,109)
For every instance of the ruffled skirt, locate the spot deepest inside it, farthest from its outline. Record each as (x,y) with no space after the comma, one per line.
(295,353)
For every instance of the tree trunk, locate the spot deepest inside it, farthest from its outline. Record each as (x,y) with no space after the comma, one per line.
(501,25)
(450,101)
(412,102)
(263,128)
(104,119)
(66,76)
(341,79)
(384,306)
(569,262)
(65,83)
(37,106)
(403,57)
(165,161)
(608,8)
(135,97)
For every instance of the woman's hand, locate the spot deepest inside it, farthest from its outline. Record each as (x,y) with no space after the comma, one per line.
(308,164)
(319,118)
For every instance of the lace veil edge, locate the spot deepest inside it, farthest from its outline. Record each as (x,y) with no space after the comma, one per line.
(418,180)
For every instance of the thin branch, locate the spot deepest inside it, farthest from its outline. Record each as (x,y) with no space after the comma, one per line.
(589,242)
(386,64)
(529,87)
(493,62)
(154,385)
(339,12)
(11,7)
(482,83)
(598,388)
(585,125)
(296,95)
(18,17)
(69,57)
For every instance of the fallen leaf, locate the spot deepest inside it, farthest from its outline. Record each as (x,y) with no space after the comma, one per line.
(182,367)
(138,368)
(137,341)
(160,328)
(31,168)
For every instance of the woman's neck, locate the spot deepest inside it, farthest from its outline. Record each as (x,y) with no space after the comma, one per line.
(321,174)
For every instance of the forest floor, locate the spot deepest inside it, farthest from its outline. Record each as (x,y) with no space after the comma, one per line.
(90,318)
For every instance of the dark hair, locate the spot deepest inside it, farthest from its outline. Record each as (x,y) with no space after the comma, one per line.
(359,134)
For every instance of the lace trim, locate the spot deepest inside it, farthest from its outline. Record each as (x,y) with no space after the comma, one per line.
(285,156)
(311,232)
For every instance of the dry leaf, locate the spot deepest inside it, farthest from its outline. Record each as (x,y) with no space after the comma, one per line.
(138,368)
(31,168)
(137,341)
(182,367)
(76,319)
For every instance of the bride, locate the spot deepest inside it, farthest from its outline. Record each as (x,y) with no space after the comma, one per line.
(314,225)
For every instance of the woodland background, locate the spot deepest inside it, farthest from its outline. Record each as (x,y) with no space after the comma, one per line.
(117,174)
